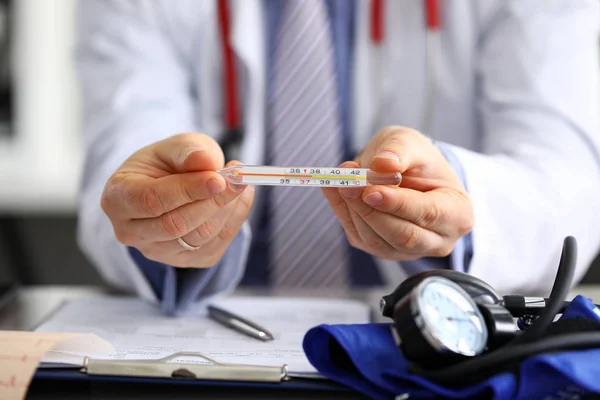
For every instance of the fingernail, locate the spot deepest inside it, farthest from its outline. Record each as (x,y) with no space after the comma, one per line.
(215,186)
(188,152)
(388,155)
(374,199)
(349,193)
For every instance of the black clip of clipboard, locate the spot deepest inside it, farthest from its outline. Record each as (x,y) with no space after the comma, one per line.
(162,368)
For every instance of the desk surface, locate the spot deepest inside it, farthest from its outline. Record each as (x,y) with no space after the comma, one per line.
(33,305)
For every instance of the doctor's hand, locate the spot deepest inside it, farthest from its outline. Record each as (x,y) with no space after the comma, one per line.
(170,190)
(425,216)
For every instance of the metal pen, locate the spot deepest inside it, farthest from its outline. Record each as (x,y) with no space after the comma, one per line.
(238,323)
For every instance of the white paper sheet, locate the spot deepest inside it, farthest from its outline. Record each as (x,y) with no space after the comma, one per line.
(138,330)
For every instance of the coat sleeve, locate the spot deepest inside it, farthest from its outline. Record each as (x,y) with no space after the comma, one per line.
(135,90)
(536,179)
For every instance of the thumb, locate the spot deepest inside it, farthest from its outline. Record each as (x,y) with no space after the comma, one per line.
(422,165)
(396,150)
(189,152)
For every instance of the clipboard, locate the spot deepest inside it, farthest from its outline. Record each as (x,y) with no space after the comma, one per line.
(161,371)
(138,371)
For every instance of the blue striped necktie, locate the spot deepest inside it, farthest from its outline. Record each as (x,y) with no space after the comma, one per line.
(308,245)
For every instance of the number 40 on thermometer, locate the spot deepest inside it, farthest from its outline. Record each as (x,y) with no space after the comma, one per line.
(308,176)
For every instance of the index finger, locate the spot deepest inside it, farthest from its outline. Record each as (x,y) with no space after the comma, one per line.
(438,211)
(133,196)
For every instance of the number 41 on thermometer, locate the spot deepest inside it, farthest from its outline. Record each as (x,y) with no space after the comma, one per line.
(308,176)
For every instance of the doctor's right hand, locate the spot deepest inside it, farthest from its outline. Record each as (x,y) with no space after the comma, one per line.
(167,201)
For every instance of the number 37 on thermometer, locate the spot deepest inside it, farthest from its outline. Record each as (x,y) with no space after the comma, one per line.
(308,176)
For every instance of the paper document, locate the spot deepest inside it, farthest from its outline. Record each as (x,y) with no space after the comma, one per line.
(139,330)
(21,352)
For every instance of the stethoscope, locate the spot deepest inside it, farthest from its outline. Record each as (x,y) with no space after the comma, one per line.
(454,329)
(232,120)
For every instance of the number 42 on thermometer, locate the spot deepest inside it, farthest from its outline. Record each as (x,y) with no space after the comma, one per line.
(308,176)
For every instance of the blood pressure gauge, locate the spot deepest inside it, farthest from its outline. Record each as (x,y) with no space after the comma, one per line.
(438,322)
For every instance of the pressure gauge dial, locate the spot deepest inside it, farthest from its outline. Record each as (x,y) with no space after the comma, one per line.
(438,321)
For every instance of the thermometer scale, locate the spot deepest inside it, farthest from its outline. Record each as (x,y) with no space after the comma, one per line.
(308,176)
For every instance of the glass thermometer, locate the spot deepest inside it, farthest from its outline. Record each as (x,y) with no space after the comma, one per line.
(308,176)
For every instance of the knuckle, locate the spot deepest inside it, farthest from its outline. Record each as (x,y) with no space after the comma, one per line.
(365,212)
(399,206)
(376,244)
(151,202)
(466,225)
(207,230)
(106,203)
(465,220)
(408,238)
(187,193)
(230,230)
(109,200)
(432,215)
(242,204)
(174,224)
(228,233)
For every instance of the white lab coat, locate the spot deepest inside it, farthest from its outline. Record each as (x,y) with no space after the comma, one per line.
(516,98)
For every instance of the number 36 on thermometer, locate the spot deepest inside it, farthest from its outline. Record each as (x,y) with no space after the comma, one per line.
(308,176)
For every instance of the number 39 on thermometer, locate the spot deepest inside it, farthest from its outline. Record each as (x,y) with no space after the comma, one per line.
(308,176)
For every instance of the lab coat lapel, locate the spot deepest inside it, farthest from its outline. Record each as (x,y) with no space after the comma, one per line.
(363,96)
(248,42)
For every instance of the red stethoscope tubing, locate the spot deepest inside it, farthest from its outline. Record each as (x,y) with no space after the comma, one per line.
(230,80)
(232,117)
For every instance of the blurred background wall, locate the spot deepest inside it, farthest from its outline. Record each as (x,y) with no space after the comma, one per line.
(40,156)
(40,153)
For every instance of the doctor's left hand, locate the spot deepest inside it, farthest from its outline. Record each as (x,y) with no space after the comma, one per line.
(423,217)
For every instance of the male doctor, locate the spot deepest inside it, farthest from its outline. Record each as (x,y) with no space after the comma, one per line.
(488,109)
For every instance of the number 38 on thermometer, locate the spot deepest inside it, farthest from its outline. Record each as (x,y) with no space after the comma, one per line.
(308,176)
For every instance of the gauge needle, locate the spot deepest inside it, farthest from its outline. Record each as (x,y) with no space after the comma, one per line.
(458,319)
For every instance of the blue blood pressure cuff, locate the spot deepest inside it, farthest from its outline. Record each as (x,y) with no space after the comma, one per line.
(365,357)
